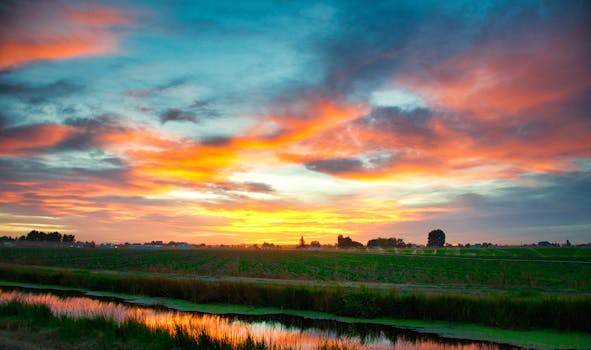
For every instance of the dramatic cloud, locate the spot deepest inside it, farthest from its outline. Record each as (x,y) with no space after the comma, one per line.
(491,81)
(489,115)
(29,139)
(316,119)
(33,31)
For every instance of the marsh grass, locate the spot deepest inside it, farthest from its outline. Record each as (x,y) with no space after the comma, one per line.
(525,310)
(102,333)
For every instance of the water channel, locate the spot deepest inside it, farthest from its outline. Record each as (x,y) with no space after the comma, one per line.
(279,331)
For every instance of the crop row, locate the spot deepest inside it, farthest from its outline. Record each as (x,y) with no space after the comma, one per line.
(422,269)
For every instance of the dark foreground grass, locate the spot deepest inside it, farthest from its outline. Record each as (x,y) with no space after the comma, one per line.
(550,269)
(38,323)
(507,310)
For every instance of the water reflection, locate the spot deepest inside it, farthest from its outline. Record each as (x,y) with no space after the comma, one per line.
(278,332)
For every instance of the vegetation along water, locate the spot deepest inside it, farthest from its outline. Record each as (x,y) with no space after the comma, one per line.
(522,290)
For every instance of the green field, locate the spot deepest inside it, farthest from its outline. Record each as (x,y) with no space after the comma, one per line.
(550,270)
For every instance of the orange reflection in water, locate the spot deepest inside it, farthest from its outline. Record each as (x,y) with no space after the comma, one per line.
(274,334)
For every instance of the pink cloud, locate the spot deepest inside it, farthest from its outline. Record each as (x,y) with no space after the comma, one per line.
(497,79)
(24,140)
(55,31)
(501,109)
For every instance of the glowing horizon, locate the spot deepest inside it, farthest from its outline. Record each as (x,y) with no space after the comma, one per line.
(221,124)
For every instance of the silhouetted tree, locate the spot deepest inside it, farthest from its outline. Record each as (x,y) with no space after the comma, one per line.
(386,243)
(436,238)
(54,237)
(35,236)
(347,242)
(39,236)
(68,238)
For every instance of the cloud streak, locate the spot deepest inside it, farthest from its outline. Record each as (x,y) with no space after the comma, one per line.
(54,31)
(177,115)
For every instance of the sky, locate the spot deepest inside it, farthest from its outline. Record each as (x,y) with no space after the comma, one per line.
(228,122)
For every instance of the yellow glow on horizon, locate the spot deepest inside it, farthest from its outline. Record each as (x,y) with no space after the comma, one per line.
(256,225)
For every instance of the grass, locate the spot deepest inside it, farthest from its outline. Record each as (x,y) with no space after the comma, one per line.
(28,322)
(538,339)
(511,311)
(547,269)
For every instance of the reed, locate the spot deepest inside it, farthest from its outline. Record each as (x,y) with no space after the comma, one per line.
(26,321)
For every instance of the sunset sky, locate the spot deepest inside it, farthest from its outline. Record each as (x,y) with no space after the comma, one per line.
(253,121)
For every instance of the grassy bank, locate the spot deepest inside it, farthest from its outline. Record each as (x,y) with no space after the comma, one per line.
(511,311)
(26,322)
(549,269)
(531,339)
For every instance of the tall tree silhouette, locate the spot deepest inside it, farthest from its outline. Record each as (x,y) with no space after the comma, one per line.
(436,238)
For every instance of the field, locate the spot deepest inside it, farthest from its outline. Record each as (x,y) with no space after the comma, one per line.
(555,270)
(545,288)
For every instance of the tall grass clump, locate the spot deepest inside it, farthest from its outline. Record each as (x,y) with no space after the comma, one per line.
(498,310)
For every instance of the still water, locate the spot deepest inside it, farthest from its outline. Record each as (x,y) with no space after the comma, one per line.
(279,332)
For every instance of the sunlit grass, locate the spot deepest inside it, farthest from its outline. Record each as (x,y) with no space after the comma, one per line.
(186,330)
(36,321)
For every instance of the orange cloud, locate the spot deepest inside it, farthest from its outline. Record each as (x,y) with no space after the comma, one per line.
(192,163)
(159,162)
(291,125)
(494,112)
(53,32)
(495,80)
(17,53)
(23,140)
(98,16)
(458,147)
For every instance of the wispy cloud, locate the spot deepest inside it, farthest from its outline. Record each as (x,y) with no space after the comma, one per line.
(53,31)
(177,115)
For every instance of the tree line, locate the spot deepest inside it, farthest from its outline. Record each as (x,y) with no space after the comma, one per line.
(435,239)
(40,236)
